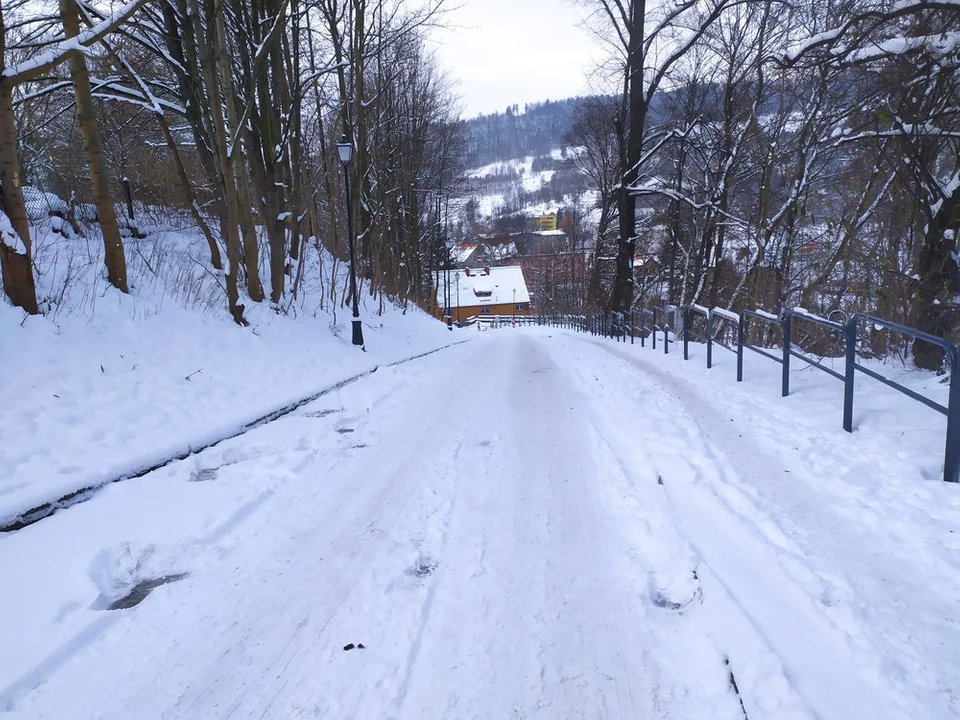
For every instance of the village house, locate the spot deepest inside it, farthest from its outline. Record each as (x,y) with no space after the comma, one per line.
(554,272)
(469,254)
(488,291)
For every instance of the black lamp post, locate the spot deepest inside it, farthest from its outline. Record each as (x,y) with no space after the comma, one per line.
(345,150)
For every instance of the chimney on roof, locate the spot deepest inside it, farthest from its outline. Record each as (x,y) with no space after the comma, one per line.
(467,271)
(486,271)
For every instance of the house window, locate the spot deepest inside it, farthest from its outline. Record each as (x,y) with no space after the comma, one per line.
(485,310)
(519,307)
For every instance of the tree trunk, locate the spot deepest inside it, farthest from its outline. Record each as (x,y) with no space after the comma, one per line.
(215,259)
(215,62)
(939,282)
(182,42)
(636,117)
(18,282)
(113,255)
(243,160)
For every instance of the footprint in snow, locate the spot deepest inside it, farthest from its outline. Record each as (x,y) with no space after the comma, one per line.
(423,567)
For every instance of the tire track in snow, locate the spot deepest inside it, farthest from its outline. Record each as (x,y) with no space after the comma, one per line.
(635,466)
(743,550)
(428,602)
(652,655)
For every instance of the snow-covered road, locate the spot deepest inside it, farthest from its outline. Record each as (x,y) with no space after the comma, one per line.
(530,525)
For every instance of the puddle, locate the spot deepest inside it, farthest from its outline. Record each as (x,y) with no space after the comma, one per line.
(141,590)
(358,447)
(344,431)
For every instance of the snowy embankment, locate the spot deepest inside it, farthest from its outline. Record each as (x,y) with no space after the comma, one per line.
(107,385)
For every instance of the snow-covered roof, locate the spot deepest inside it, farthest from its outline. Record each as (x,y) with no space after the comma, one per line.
(484,286)
(462,251)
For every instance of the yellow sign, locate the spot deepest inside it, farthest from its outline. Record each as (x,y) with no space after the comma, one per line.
(548,222)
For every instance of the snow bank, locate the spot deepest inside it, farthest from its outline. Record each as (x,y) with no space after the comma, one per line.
(107,385)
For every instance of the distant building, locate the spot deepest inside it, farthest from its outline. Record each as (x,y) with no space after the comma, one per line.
(554,271)
(469,254)
(483,291)
(548,222)
(545,242)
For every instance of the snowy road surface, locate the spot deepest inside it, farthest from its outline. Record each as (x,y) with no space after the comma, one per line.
(530,525)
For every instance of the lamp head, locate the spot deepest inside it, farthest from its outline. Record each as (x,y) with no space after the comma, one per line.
(345,150)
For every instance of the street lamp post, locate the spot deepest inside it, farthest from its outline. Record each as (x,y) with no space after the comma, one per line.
(345,150)
(449,290)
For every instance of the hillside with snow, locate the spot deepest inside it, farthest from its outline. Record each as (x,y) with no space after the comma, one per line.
(119,383)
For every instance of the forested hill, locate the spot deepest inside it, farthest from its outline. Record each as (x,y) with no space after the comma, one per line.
(534,130)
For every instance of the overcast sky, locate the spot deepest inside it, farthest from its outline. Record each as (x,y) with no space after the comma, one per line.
(503,52)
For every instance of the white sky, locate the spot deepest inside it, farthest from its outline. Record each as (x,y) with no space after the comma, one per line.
(503,52)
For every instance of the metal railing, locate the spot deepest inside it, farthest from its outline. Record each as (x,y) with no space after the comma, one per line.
(665,312)
(688,332)
(951,461)
(718,320)
(644,313)
(772,321)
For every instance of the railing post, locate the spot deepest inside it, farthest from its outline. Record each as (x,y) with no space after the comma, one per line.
(785,325)
(740,347)
(653,332)
(666,331)
(126,190)
(686,333)
(849,376)
(709,339)
(951,459)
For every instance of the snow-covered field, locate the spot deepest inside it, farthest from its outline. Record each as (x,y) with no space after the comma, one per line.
(584,529)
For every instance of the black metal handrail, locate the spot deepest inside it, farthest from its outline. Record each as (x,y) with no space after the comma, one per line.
(665,311)
(798,314)
(643,327)
(723,315)
(951,458)
(603,323)
(769,320)
(688,333)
